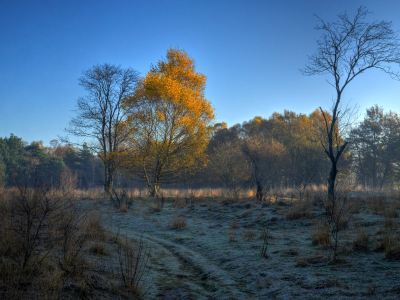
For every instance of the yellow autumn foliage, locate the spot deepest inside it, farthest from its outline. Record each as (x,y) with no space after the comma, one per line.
(169,120)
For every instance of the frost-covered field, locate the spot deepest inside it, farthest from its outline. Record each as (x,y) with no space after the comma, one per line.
(212,250)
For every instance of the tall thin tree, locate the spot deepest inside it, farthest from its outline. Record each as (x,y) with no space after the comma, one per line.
(346,49)
(99,113)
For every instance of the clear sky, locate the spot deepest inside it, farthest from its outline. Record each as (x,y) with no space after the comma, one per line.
(251,52)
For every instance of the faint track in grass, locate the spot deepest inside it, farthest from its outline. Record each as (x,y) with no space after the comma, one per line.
(206,279)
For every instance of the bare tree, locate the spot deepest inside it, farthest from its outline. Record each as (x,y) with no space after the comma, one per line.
(346,49)
(266,159)
(99,113)
(228,166)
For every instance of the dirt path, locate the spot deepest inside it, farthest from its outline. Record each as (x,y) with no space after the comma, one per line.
(177,272)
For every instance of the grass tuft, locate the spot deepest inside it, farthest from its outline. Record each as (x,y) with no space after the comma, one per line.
(321,236)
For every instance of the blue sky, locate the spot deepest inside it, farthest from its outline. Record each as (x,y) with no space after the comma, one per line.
(251,52)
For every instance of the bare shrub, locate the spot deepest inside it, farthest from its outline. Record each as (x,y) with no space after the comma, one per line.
(266,282)
(179,202)
(28,220)
(390,241)
(123,208)
(73,240)
(133,267)
(41,237)
(178,223)
(390,223)
(299,210)
(94,194)
(249,235)
(158,203)
(301,262)
(321,235)
(391,213)
(392,250)
(378,204)
(155,208)
(337,208)
(356,207)
(120,197)
(360,244)
(93,225)
(234,224)
(231,237)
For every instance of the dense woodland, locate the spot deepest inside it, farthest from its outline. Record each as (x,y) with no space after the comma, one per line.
(281,151)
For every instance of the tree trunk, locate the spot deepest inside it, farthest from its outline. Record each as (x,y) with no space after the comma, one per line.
(331,180)
(385,176)
(109,181)
(259,193)
(153,189)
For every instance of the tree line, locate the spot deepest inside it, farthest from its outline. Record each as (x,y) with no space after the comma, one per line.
(282,151)
(20,160)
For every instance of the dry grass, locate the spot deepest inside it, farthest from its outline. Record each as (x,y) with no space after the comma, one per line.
(231,236)
(378,204)
(92,194)
(249,235)
(360,244)
(301,263)
(392,213)
(93,226)
(299,210)
(31,253)
(155,207)
(321,235)
(178,222)
(59,260)
(264,283)
(179,202)
(234,224)
(390,240)
(133,268)
(123,208)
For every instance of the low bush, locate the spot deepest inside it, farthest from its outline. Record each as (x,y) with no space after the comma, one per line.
(360,244)
(299,210)
(321,235)
(178,223)
(301,263)
(231,237)
(378,204)
(249,235)
(41,236)
(133,267)
(392,213)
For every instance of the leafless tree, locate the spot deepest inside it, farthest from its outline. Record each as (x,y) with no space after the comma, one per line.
(99,113)
(265,161)
(228,165)
(346,49)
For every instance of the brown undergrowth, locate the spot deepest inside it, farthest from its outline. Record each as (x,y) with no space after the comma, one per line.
(51,248)
(300,210)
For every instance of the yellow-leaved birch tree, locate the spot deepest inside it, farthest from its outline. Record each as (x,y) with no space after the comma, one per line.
(169,120)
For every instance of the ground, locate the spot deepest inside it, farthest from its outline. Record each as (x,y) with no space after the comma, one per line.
(208,249)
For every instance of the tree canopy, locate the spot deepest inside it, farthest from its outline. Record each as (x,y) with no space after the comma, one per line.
(169,121)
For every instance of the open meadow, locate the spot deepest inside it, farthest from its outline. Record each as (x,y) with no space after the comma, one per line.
(201,244)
